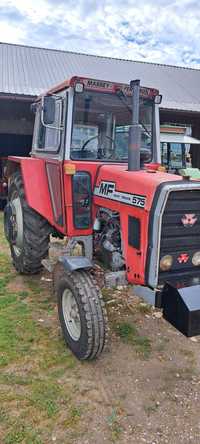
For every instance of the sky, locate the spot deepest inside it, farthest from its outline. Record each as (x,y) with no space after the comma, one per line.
(159,31)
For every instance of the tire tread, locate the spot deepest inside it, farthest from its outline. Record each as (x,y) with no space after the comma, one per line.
(94,308)
(36,232)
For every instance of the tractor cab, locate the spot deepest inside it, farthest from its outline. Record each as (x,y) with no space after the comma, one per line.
(99,119)
(101,123)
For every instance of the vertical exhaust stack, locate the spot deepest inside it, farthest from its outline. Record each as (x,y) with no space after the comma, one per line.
(134,143)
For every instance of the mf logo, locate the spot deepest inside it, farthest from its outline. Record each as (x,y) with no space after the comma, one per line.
(183,258)
(107,188)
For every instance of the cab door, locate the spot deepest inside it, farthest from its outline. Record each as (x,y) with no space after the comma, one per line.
(48,145)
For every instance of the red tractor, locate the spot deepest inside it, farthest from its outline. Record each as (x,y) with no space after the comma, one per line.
(94,177)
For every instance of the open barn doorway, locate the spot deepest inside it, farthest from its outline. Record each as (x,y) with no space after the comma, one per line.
(16,132)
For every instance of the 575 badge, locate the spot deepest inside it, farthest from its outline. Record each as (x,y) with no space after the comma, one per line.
(107,189)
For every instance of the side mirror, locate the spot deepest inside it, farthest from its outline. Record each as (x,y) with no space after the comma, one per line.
(33,107)
(48,110)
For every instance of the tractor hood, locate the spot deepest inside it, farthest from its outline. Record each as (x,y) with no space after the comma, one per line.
(137,188)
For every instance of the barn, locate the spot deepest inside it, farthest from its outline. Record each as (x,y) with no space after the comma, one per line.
(27,71)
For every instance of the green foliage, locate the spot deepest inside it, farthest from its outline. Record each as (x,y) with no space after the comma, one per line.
(17,330)
(22,434)
(114,425)
(129,334)
(44,396)
(32,359)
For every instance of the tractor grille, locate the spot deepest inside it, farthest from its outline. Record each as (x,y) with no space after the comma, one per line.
(180,234)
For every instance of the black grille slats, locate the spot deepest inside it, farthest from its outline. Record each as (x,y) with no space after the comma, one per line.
(177,238)
(180,242)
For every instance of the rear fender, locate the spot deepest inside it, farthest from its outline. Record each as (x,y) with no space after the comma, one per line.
(35,184)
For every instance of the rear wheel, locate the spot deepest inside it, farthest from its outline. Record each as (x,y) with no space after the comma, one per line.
(26,231)
(81,312)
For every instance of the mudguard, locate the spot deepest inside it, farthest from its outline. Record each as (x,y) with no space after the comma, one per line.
(72,263)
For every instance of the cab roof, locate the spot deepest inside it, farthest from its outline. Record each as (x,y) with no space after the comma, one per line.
(100,86)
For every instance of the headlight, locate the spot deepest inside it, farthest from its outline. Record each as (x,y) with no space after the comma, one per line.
(196,259)
(166,262)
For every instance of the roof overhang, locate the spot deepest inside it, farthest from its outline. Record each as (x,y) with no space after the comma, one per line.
(178,138)
(18,97)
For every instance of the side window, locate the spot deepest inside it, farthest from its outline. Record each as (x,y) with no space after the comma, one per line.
(49,138)
(41,134)
(52,135)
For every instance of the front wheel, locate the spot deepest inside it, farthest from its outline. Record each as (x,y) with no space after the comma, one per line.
(81,312)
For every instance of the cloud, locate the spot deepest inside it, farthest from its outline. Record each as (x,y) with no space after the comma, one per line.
(162,31)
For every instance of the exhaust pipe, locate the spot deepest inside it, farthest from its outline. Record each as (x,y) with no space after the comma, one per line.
(134,142)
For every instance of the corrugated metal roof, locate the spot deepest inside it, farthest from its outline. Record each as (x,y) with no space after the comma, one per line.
(27,70)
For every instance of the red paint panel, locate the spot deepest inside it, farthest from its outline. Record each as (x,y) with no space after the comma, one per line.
(55,189)
(36,186)
(136,182)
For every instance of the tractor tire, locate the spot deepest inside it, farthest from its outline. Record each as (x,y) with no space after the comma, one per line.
(81,312)
(26,231)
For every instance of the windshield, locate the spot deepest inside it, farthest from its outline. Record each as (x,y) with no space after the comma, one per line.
(101,125)
(173,155)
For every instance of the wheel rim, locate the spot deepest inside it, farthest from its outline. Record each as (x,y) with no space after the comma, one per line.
(71,314)
(17,224)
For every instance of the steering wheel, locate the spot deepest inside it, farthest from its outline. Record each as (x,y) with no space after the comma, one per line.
(96,137)
(87,141)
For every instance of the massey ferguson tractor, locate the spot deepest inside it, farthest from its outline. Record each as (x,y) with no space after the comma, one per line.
(94,179)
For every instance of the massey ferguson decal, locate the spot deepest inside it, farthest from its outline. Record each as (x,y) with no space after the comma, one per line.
(104,86)
(107,190)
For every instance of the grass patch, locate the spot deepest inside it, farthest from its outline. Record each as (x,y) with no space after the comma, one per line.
(45,395)
(17,330)
(5,265)
(6,301)
(23,294)
(73,417)
(22,434)
(12,378)
(32,359)
(57,355)
(3,415)
(114,425)
(129,335)
(39,297)
(33,284)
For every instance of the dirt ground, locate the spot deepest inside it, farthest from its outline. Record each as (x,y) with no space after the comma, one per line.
(145,388)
